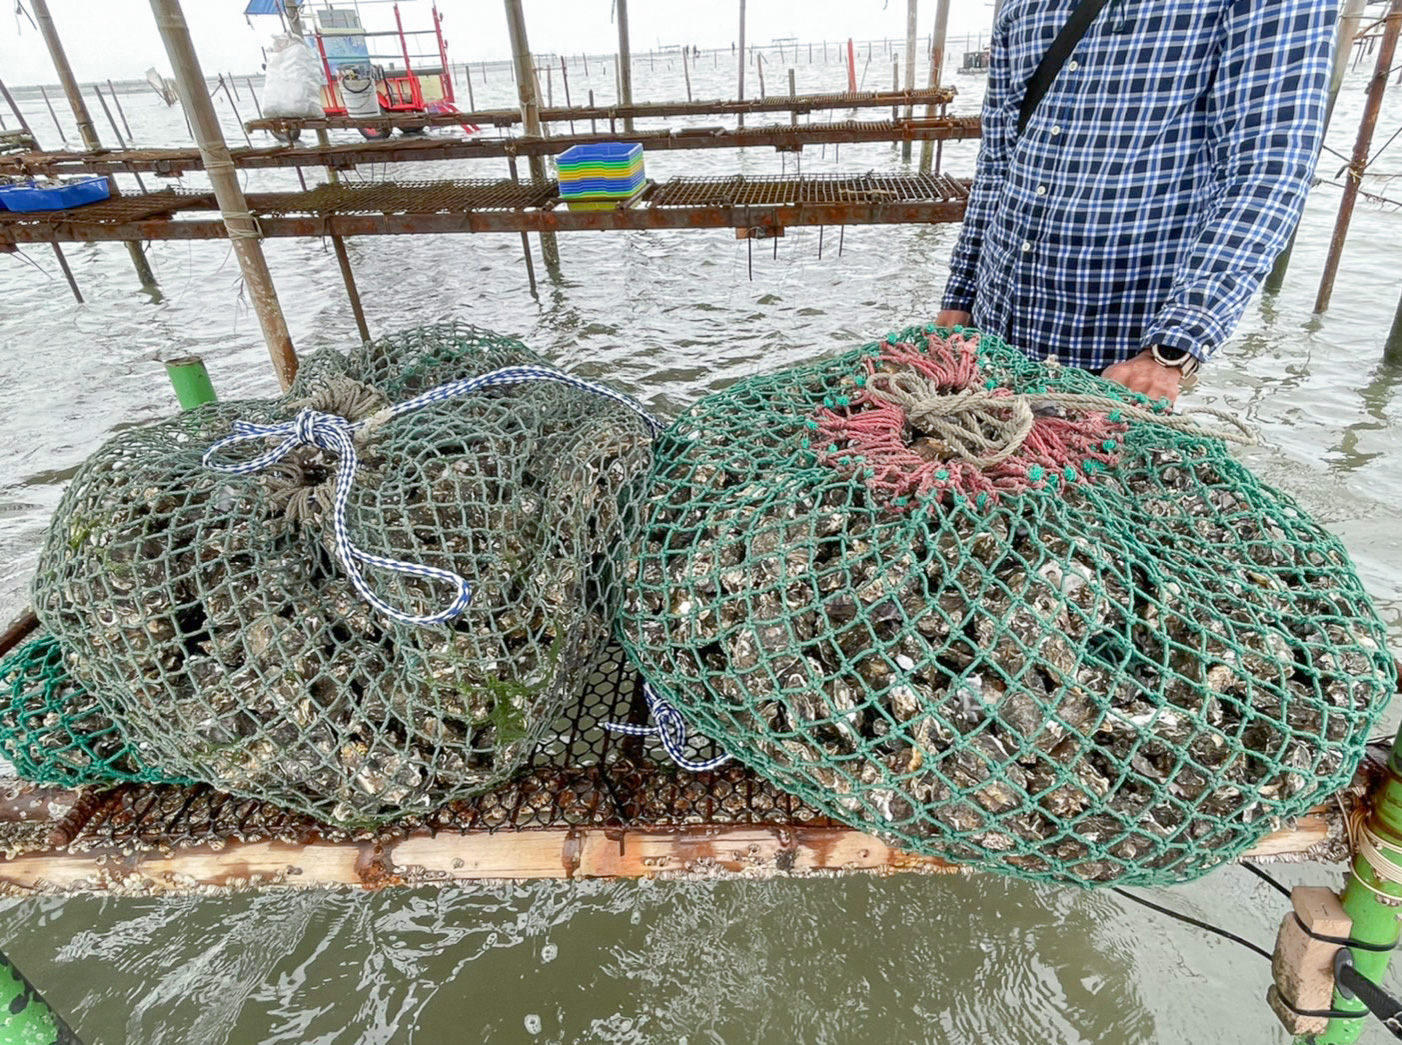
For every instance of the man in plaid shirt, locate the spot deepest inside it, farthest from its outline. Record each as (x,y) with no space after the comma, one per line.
(1130,223)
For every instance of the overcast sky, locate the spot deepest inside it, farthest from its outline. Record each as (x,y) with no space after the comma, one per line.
(117,38)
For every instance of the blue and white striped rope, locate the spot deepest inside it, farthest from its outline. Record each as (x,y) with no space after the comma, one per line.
(336,435)
(670,729)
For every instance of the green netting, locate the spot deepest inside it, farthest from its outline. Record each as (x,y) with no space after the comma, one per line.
(1129,668)
(54,732)
(212,619)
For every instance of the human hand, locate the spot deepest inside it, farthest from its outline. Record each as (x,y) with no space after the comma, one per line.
(1141,374)
(953,317)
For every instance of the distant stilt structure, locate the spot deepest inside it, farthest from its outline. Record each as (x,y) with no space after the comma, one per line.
(223,177)
(1376,89)
(86,129)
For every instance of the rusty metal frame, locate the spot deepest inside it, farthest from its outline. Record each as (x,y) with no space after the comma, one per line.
(175,162)
(803,103)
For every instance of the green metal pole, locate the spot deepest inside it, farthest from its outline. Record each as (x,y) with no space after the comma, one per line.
(191,382)
(1375,920)
(25,1017)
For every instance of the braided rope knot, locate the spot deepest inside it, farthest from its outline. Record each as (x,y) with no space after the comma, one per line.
(670,729)
(337,436)
(981,426)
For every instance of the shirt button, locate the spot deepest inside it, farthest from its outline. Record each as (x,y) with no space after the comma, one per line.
(1073,65)
(1041,190)
(1026,246)
(1055,131)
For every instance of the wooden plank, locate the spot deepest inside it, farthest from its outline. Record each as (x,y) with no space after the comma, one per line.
(694,851)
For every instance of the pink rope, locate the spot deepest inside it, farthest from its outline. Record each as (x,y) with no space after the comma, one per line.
(873,438)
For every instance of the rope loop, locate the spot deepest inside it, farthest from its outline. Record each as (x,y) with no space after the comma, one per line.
(337,436)
(670,729)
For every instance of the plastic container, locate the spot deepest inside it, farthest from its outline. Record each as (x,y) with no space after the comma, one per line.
(31,198)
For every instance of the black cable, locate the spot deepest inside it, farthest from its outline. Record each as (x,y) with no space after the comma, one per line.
(1193,921)
(1265,877)
(1381,1004)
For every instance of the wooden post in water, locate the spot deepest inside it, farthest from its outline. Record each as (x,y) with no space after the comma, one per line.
(793,113)
(257,106)
(851,68)
(909,69)
(467,77)
(120,112)
(53,115)
(1359,163)
(86,130)
(1392,351)
(625,64)
(895,86)
(740,84)
(686,72)
(115,133)
(759,67)
(223,178)
(565,79)
(1349,20)
(937,41)
(530,109)
(348,277)
(67,273)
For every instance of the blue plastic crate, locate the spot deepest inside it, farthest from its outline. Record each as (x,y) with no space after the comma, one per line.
(611,153)
(601,188)
(30,198)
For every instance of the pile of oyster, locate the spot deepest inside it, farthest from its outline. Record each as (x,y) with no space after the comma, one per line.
(210,614)
(1132,676)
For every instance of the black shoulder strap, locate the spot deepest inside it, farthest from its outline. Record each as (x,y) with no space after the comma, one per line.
(1071,34)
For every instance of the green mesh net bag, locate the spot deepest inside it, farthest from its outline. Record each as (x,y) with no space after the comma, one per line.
(54,732)
(1001,613)
(374,595)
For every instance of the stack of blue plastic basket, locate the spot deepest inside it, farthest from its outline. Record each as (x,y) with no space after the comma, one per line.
(599,177)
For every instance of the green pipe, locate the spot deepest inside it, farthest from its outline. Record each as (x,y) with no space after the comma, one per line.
(1374,921)
(25,1018)
(190,381)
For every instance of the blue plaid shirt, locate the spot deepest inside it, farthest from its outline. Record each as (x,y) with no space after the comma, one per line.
(1155,184)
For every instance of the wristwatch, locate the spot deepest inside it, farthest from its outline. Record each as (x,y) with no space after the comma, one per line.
(1179,359)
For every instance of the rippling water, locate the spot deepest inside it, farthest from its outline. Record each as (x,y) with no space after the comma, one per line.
(668,316)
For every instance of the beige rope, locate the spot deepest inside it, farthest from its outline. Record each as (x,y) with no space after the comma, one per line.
(985,428)
(1373,850)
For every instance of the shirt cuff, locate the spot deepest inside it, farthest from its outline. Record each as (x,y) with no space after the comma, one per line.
(958,295)
(1189,329)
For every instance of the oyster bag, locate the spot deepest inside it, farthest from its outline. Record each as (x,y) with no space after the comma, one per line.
(211,617)
(1088,647)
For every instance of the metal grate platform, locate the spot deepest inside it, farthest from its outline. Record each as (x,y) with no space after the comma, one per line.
(740,191)
(417,197)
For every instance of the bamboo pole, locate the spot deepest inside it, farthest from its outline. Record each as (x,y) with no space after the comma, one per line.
(235,106)
(530,109)
(1359,163)
(740,86)
(23,124)
(1349,20)
(53,115)
(257,106)
(86,130)
(937,43)
(625,63)
(121,112)
(223,178)
(909,69)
